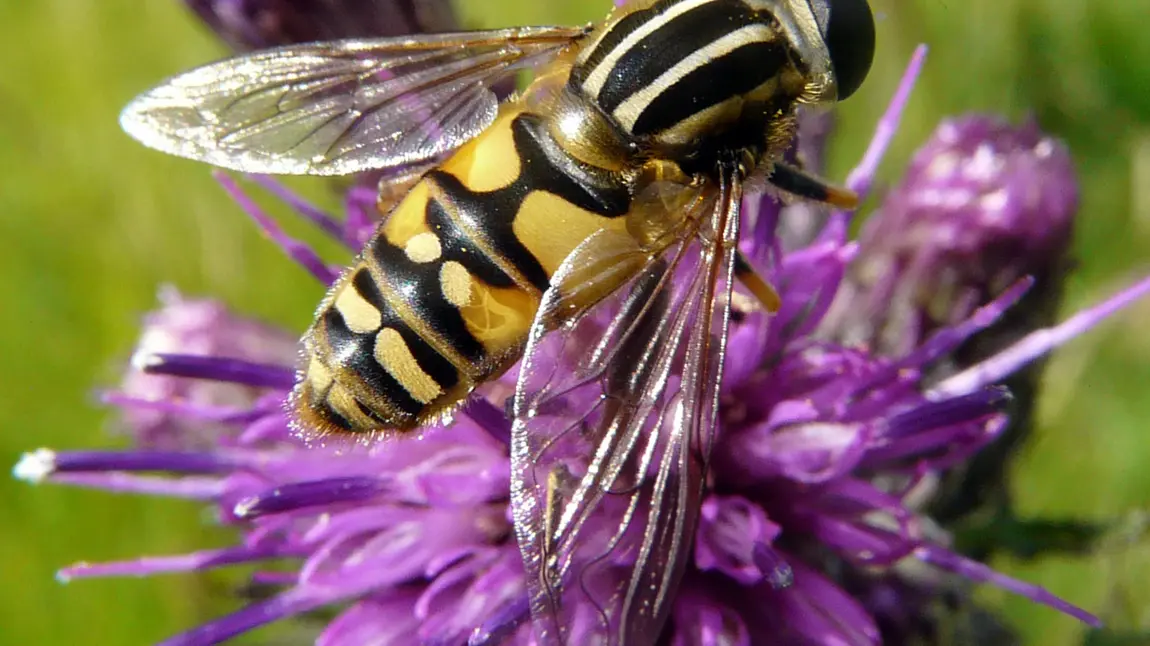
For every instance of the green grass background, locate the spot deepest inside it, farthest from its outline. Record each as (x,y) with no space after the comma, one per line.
(91,223)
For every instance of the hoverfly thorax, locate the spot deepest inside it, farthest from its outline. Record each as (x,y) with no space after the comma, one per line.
(687,80)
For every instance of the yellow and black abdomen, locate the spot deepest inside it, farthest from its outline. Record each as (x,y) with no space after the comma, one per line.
(443,295)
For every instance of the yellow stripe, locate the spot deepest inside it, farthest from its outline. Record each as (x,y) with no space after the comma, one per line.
(628,112)
(392,353)
(360,316)
(598,76)
(455,283)
(423,247)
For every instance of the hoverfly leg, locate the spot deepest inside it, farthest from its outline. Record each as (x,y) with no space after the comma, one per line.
(644,318)
(802,184)
(760,289)
(643,323)
(561,484)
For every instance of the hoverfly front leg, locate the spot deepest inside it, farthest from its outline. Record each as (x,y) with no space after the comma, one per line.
(794,181)
(791,180)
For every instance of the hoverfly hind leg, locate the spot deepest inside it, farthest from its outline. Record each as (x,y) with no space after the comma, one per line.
(791,180)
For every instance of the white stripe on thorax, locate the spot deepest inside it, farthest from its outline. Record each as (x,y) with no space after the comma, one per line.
(629,110)
(598,76)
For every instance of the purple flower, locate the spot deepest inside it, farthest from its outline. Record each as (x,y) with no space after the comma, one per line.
(812,532)
(258,24)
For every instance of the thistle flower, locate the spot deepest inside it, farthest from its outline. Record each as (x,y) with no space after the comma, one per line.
(258,24)
(823,450)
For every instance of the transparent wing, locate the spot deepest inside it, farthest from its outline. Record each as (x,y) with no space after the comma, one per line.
(340,107)
(615,412)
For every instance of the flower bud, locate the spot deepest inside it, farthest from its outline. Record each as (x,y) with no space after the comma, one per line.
(982,204)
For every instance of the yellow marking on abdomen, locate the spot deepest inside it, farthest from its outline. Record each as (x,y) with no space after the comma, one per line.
(551,227)
(319,376)
(343,401)
(455,282)
(407,220)
(392,353)
(499,317)
(491,160)
(360,316)
(423,247)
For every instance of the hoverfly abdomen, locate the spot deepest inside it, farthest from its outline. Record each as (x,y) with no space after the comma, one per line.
(443,295)
(368,367)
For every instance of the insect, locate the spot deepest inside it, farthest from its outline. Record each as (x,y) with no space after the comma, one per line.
(587,226)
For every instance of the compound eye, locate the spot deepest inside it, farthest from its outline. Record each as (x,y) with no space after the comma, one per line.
(849,35)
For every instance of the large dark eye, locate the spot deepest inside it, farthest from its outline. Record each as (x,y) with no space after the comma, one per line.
(848,30)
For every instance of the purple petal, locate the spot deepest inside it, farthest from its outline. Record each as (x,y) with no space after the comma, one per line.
(220,369)
(814,611)
(362,215)
(149,565)
(490,418)
(730,529)
(293,602)
(310,212)
(301,495)
(978,572)
(383,620)
(958,410)
(861,179)
(947,339)
(776,571)
(260,24)
(501,623)
(1037,344)
(295,249)
(197,412)
(701,618)
(44,463)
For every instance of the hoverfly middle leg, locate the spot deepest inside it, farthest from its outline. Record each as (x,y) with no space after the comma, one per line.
(759,287)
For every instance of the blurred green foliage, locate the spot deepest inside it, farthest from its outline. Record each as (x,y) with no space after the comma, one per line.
(92,223)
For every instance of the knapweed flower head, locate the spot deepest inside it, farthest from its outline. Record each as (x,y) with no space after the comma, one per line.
(811,532)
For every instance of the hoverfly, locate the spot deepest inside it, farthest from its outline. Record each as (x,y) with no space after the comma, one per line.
(587,226)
